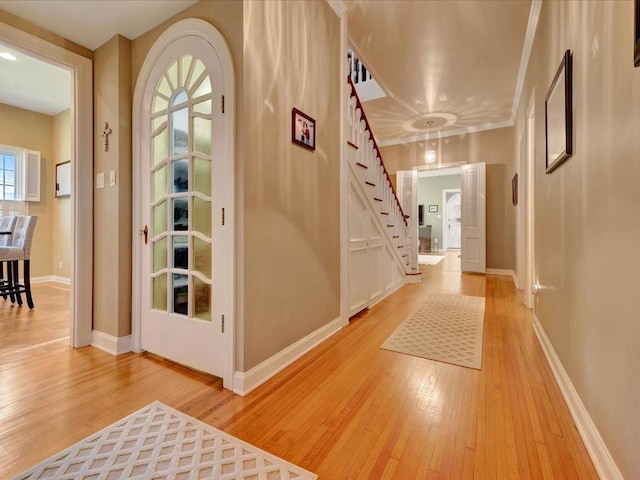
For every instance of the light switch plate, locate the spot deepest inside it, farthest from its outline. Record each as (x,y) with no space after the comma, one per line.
(112,178)
(100,180)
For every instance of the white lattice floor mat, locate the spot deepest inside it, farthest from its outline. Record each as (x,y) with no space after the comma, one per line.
(158,442)
(447,328)
(430,259)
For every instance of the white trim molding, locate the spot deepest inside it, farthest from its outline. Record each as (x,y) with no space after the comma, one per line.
(503,271)
(110,344)
(600,456)
(51,278)
(339,7)
(246,382)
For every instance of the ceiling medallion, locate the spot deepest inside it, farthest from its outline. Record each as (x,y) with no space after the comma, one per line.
(429,121)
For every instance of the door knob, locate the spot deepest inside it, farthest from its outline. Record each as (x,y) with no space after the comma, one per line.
(145,232)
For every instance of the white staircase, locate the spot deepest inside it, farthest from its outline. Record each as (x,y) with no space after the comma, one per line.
(379,243)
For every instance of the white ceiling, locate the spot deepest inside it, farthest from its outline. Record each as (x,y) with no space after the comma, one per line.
(91,23)
(33,85)
(454,63)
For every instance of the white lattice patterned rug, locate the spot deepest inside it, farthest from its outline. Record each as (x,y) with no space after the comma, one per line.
(158,442)
(430,259)
(447,328)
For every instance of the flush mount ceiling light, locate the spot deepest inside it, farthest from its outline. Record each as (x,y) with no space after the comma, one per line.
(8,56)
(429,122)
(430,156)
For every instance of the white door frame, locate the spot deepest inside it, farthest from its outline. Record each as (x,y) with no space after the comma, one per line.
(520,169)
(81,69)
(206,31)
(445,216)
(530,264)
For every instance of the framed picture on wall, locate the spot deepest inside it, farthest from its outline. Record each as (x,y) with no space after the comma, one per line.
(303,129)
(636,38)
(558,116)
(63,179)
(433,208)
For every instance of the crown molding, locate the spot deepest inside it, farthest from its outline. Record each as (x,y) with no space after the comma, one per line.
(338,6)
(534,15)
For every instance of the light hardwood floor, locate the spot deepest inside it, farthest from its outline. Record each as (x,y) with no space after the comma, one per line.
(346,410)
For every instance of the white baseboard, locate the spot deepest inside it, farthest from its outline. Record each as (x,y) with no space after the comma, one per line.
(110,344)
(600,456)
(246,382)
(51,278)
(503,271)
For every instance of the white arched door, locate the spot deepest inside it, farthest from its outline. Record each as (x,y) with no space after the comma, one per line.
(185,200)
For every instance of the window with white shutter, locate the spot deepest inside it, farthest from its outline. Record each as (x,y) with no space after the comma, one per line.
(19,174)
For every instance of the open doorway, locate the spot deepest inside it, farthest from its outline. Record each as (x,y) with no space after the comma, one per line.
(35,117)
(80,154)
(452,219)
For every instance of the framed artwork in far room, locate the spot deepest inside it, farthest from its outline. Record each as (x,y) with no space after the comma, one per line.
(433,208)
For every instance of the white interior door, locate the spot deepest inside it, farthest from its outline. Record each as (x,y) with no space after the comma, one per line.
(407,187)
(474,243)
(453,211)
(186,178)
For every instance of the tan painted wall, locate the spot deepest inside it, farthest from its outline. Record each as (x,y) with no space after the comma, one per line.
(112,205)
(291,195)
(26,129)
(61,250)
(587,219)
(495,148)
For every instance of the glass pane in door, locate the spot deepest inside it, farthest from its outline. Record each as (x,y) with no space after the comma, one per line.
(180,294)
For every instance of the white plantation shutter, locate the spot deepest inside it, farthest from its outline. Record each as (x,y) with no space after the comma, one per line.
(32,176)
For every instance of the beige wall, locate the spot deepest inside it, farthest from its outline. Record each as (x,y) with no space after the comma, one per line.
(291,195)
(61,207)
(495,148)
(26,129)
(587,224)
(112,204)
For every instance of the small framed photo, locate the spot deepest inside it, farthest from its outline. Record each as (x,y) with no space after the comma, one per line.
(433,208)
(303,129)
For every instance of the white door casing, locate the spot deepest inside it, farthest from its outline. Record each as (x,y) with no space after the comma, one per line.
(474,243)
(184,301)
(530,276)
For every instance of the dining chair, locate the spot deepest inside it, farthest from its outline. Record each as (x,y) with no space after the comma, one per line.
(19,250)
(7,224)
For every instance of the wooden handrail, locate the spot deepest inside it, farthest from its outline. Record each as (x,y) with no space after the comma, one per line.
(375,146)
